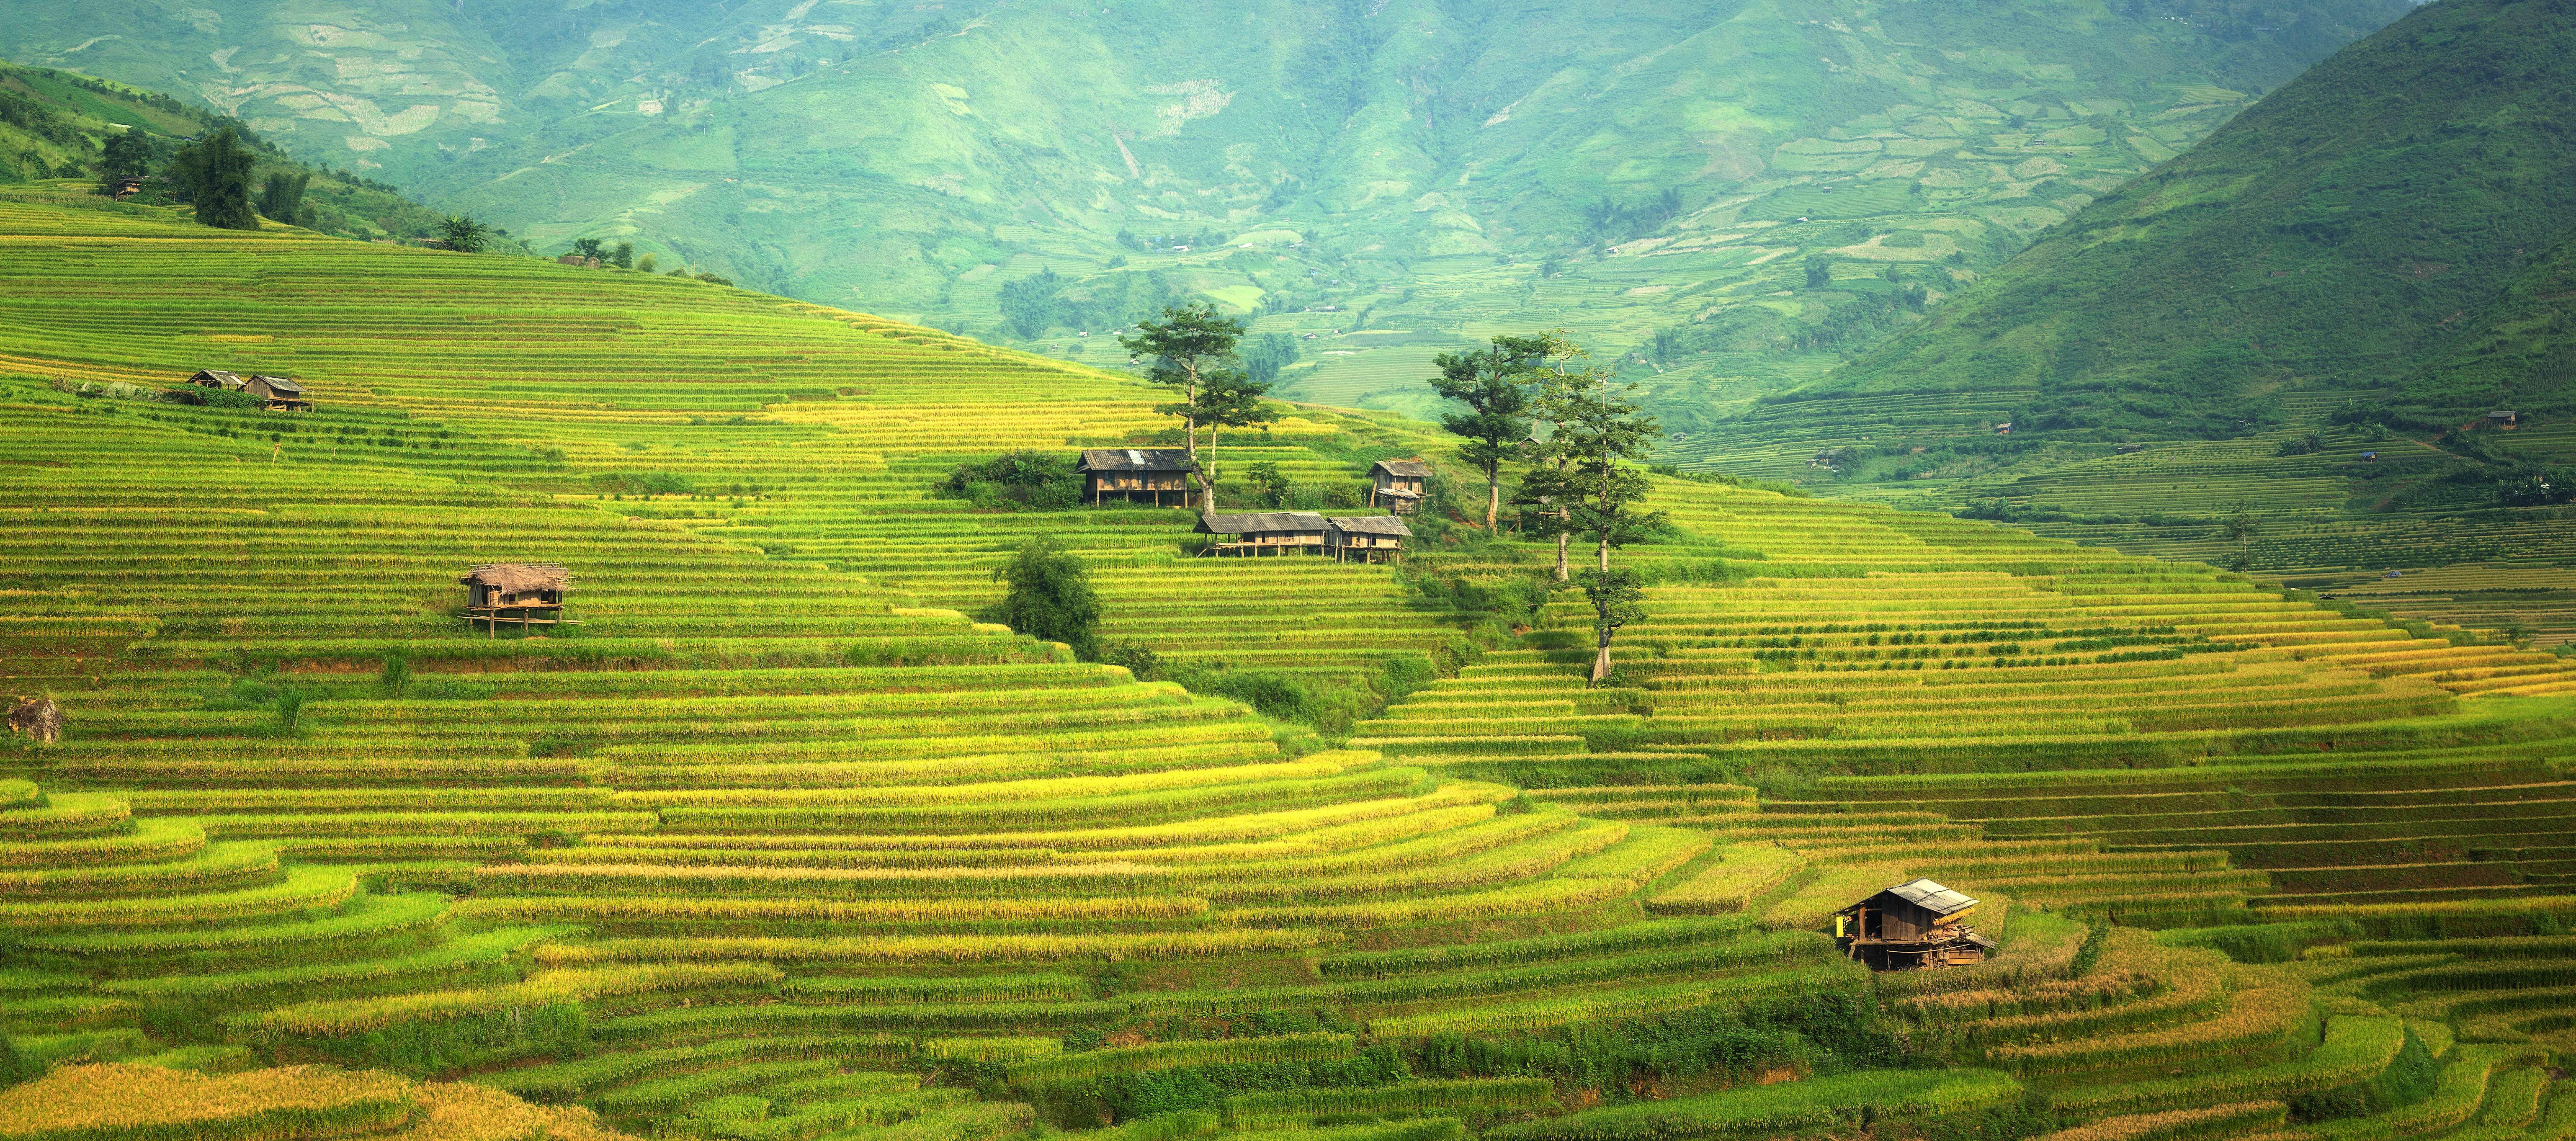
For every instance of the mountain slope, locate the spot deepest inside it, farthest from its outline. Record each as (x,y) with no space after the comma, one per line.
(2520,354)
(2334,236)
(1444,168)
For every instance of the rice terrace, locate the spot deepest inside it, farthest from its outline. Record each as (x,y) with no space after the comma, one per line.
(477,687)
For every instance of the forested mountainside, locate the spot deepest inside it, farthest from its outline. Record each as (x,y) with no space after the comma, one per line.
(1727,196)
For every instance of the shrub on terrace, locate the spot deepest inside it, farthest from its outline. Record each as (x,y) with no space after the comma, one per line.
(1051,597)
(1017,481)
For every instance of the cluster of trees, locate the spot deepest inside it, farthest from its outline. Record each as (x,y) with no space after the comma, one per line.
(1192,351)
(1538,401)
(1203,238)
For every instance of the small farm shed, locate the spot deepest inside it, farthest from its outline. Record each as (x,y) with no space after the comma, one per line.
(1396,485)
(530,594)
(1267,532)
(1138,475)
(1915,925)
(218,378)
(283,395)
(1369,538)
(2502,418)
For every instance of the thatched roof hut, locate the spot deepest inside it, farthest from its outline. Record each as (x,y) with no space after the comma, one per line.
(217,378)
(502,584)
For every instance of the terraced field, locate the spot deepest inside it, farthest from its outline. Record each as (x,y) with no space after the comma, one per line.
(779,842)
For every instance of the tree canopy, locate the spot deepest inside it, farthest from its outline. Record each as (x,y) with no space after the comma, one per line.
(1051,597)
(216,173)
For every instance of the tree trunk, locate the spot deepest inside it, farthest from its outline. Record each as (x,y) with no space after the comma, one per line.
(1210,479)
(1493,494)
(1561,537)
(1601,663)
(1190,438)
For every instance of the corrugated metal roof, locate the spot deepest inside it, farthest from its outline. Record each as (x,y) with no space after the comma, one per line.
(278,384)
(1134,459)
(1931,897)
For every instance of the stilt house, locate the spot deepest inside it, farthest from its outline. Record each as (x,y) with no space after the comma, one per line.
(1397,485)
(283,395)
(1265,533)
(1368,538)
(1137,475)
(529,594)
(1914,925)
(218,378)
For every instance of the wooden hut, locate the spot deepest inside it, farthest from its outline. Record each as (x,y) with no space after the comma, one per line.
(1369,538)
(1137,475)
(1914,925)
(283,395)
(1397,485)
(530,594)
(1265,533)
(218,379)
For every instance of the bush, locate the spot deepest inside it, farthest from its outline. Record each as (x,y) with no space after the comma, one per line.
(1016,481)
(1051,597)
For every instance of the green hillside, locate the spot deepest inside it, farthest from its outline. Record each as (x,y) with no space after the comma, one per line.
(2332,238)
(1427,169)
(2307,318)
(778,842)
(55,124)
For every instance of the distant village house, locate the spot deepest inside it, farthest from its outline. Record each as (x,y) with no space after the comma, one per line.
(283,395)
(1137,475)
(218,379)
(529,594)
(1397,485)
(1368,538)
(1915,925)
(1265,533)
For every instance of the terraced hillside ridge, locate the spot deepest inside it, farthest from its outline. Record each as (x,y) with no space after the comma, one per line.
(780,842)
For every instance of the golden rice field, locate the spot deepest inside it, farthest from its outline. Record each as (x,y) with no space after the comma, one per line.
(780,842)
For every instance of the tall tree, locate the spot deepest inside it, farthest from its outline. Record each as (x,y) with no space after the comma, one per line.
(216,172)
(1190,346)
(1596,434)
(124,156)
(1549,487)
(283,196)
(1051,597)
(1494,383)
(1618,598)
(463,233)
(2241,526)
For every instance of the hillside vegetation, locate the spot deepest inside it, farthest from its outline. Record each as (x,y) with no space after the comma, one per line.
(55,126)
(2307,319)
(1426,172)
(779,843)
